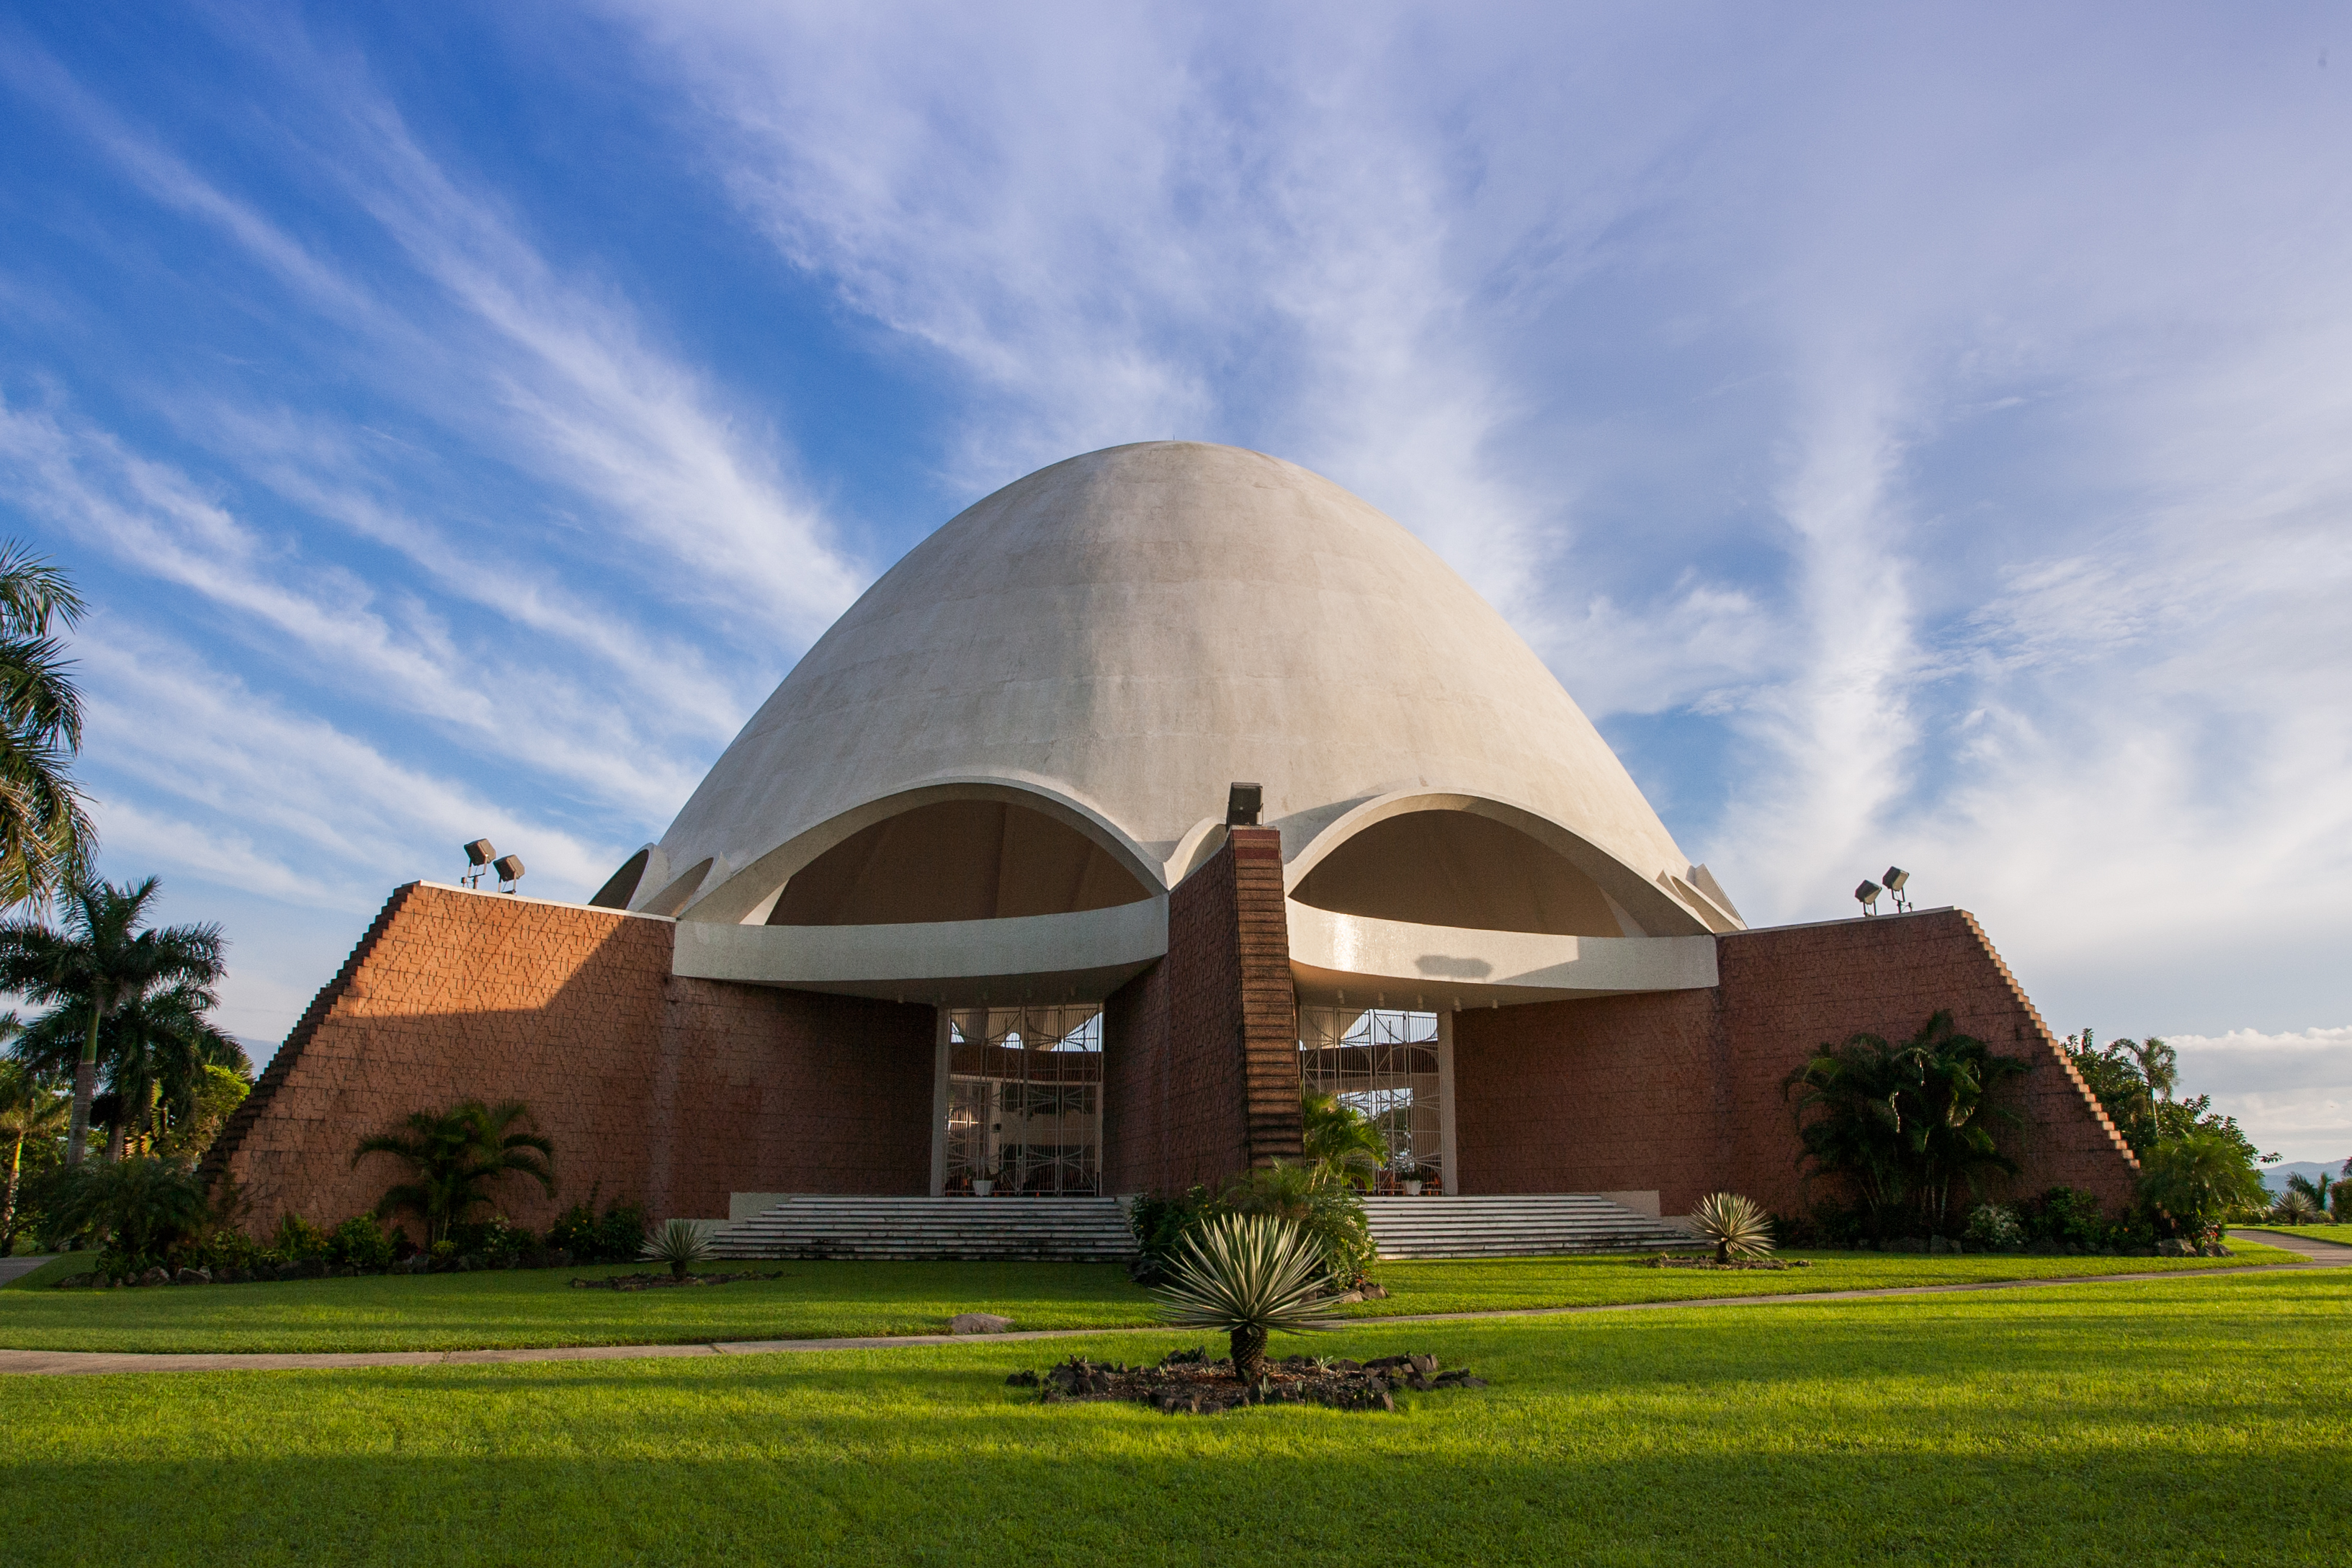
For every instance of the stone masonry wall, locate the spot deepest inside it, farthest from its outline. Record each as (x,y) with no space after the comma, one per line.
(1681,1090)
(674,1092)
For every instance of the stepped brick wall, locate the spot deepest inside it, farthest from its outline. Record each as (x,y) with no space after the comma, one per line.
(1681,1090)
(1200,1052)
(674,1092)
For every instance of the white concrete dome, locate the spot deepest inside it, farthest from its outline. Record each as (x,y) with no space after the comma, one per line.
(1042,705)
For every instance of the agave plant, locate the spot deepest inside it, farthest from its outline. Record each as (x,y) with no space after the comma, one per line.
(680,1243)
(1249,1275)
(2296,1207)
(1733,1226)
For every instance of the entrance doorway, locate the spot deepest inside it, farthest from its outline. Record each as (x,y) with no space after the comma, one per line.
(1385,1064)
(1024,1101)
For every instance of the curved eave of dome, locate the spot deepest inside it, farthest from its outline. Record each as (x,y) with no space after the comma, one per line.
(1665,905)
(730,894)
(1396,962)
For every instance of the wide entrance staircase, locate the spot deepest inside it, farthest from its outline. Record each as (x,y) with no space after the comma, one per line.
(1514,1226)
(1094,1230)
(1072,1230)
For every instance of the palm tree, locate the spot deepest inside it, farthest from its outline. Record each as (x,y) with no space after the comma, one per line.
(105,958)
(2201,1178)
(2159,1064)
(29,1110)
(1341,1144)
(453,1155)
(153,1051)
(44,834)
(1902,1123)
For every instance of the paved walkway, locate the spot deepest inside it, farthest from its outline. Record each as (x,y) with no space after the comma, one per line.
(17,1268)
(2310,1247)
(63,1362)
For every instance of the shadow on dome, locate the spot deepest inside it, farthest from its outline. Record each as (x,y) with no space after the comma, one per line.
(1458,869)
(953,860)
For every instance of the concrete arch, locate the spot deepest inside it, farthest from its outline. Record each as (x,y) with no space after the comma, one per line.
(748,895)
(1652,910)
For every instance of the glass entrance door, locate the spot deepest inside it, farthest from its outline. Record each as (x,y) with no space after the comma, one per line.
(1025,1101)
(1384,1062)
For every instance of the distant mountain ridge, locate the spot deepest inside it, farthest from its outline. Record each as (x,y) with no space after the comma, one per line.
(2275,1176)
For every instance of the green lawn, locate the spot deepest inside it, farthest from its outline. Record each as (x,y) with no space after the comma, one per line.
(2318,1232)
(524,1307)
(2123,1423)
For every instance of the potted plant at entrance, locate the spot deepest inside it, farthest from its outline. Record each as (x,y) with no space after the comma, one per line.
(983,1181)
(1410,1175)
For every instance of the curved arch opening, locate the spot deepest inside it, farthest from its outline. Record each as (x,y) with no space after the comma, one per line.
(956,860)
(622,885)
(1462,869)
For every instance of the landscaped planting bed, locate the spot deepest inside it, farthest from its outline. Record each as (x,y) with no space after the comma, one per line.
(2126,1423)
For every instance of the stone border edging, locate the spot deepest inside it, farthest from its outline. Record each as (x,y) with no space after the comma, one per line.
(69,1362)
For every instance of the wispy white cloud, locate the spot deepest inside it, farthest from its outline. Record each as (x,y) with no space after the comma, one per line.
(156,520)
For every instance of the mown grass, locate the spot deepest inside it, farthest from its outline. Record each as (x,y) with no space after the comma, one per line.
(2123,1424)
(528,1307)
(2342,1233)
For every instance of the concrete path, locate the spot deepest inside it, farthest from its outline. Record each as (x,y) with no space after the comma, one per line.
(17,1268)
(2310,1247)
(61,1361)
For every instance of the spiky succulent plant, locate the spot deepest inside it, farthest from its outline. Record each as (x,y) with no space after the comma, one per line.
(680,1243)
(2296,1206)
(1247,1275)
(1733,1226)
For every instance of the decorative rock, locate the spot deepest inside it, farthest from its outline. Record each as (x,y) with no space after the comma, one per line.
(155,1277)
(193,1277)
(1022,1380)
(1373,1292)
(977,1323)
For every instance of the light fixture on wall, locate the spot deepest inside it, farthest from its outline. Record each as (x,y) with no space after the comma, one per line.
(1243,803)
(1895,877)
(510,870)
(1867,894)
(479,855)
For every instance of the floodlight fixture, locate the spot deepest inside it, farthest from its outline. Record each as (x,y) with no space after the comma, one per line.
(478,853)
(1867,894)
(1895,877)
(510,870)
(1243,803)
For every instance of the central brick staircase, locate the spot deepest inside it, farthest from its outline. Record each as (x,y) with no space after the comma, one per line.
(1094,1230)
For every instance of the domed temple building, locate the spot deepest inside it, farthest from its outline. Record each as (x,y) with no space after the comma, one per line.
(1155,788)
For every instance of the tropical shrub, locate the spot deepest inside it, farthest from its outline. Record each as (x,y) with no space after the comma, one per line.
(1995,1229)
(1320,1204)
(1904,1127)
(297,1240)
(680,1243)
(1247,1276)
(2339,1198)
(454,1158)
(1733,1226)
(1340,1142)
(495,1240)
(360,1242)
(2201,1178)
(613,1236)
(140,1209)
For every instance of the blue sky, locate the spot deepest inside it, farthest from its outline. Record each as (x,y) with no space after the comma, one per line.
(1915,435)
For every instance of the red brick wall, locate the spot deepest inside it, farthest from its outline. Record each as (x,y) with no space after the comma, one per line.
(1200,1052)
(1790,989)
(1619,1094)
(675,1092)
(1681,1090)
